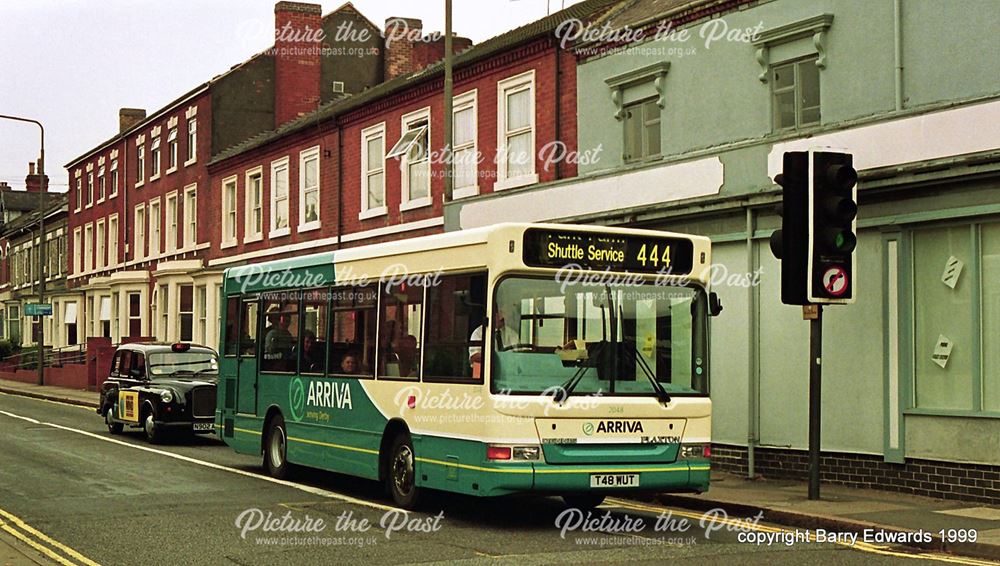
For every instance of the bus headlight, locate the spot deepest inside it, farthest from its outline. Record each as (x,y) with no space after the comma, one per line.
(695,451)
(167,396)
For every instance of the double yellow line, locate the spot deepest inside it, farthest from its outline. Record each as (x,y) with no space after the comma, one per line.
(41,542)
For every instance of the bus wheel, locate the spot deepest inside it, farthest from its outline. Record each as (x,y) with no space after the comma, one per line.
(583,501)
(276,449)
(113,427)
(402,474)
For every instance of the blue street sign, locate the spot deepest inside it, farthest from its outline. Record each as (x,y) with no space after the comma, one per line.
(37,309)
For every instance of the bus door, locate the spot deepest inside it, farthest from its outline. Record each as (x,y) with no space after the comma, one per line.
(246,362)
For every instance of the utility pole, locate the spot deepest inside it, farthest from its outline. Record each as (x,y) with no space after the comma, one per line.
(41,243)
(449,167)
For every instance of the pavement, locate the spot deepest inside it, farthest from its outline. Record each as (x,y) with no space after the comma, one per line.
(879,517)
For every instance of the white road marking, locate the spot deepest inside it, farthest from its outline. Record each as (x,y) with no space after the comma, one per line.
(308,489)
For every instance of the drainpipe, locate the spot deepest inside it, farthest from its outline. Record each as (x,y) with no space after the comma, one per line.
(340,182)
(558,109)
(897,37)
(753,299)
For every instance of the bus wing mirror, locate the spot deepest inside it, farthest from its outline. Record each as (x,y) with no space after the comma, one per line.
(714,304)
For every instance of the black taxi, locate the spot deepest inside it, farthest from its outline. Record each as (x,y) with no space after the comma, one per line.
(161,387)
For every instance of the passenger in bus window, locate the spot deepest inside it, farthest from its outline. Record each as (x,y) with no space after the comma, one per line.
(312,354)
(349,364)
(278,341)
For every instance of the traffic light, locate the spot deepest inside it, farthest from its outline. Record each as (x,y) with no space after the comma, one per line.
(833,210)
(790,244)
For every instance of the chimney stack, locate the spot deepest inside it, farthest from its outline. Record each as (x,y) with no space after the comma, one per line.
(407,50)
(34,183)
(298,40)
(128,117)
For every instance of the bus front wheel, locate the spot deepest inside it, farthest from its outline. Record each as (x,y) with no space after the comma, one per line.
(583,501)
(276,449)
(402,475)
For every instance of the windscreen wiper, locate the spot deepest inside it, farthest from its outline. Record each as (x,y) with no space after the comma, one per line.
(634,355)
(563,392)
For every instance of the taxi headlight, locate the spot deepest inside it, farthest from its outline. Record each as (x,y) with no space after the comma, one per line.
(167,396)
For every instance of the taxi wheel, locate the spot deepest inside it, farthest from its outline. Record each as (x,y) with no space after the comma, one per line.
(113,427)
(154,434)
(402,475)
(584,501)
(276,449)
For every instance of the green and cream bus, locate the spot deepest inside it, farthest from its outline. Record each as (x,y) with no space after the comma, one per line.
(554,359)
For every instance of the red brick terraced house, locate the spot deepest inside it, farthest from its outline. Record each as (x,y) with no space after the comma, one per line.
(369,168)
(143,219)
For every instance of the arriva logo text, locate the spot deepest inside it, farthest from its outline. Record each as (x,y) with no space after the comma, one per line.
(619,427)
(329,395)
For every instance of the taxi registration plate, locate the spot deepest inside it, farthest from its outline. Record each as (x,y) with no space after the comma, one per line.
(614,480)
(204,426)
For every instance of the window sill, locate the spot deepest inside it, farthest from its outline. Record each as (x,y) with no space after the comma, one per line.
(515,182)
(100,200)
(373,213)
(112,195)
(308,226)
(465,192)
(279,232)
(171,170)
(191,161)
(91,205)
(417,203)
(226,245)
(254,238)
(139,184)
(154,177)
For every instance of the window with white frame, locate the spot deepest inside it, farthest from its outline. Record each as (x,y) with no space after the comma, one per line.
(309,189)
(113,240)
(140,232)
(79,194)
(279,198)
(155,222)
(154,159)
(190,217)
(465,155)
(77,253)
(413,152)
(185,319)
(102,185)
(516,131)
(171,222)
(114,178)
(202,308)
(140,166)
(192,141)
(253,228)
(373,171)
(90,189)
(101,244)
(88,248)
(172,150)
(229,211)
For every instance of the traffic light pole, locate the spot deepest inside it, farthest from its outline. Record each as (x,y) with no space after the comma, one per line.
(815,383)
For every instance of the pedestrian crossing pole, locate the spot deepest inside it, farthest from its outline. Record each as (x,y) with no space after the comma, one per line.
(814,314)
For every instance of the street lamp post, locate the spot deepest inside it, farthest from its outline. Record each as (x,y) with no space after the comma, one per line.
(41,243)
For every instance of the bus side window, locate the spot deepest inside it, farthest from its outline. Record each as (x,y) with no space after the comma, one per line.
(280,336)
(352,333)
(455,311)
(313,339)
(248,328)
(400,321)
(232,337)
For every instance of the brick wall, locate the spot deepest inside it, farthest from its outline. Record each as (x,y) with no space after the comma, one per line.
(297,60)
(931,478)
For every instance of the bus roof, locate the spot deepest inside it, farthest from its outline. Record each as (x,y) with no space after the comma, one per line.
(320,266)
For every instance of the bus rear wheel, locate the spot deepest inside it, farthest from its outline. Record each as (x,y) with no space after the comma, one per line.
(401,478)
(583,501)
(276,449)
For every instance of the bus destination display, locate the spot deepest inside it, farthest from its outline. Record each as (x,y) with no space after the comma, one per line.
(617,252)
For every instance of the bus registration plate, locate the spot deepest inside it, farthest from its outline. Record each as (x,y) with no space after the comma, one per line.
(614,480)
